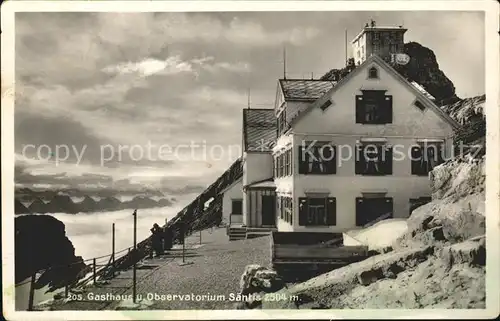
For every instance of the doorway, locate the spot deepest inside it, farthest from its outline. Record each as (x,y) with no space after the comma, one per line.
(268,210)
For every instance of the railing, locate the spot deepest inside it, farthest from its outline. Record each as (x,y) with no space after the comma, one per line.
(100,268)
(104,267)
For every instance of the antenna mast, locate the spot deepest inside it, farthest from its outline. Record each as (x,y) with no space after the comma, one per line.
(346,47)
(284,62)
(248,104)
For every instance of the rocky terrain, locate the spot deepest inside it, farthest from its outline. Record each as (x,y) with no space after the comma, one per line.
(438,262)
(41,243)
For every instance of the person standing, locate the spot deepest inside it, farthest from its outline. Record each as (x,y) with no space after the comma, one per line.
(156,240)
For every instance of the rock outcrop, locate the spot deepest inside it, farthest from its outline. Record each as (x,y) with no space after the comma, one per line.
(255,282)
(423,68)
(470,113)
(439,262)
(41,245)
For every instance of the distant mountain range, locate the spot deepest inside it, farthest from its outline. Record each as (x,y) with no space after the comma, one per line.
(57,202)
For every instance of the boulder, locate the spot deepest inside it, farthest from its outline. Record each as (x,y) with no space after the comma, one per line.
(255,281)
(472,252)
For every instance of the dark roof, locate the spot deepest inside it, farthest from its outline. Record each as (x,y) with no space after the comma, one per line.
(259,129)
(305,89)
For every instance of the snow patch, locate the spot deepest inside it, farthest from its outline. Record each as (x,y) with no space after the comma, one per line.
(377,236)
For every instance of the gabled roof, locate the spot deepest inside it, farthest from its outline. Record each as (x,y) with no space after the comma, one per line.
(375,58)
(240,179)
(305,89)
(264,183)
(259,130)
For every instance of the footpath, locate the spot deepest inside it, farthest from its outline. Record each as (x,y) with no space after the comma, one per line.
(207,278)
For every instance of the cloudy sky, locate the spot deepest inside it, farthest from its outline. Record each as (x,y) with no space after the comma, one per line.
(98,82)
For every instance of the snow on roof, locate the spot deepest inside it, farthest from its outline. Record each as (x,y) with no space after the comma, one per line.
(422,90)
(269,183)
(207,203)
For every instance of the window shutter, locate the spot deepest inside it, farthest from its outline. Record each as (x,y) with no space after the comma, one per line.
(416,155)
(280,206)
(331,210)
(388,160)
(330,156)
(302,161)
(302,211)
(360,160)
(274,167)
(387,110)
(281,165)
(359,211)
(360,109)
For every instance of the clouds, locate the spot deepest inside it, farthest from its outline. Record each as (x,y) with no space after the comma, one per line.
(174,65)
(124,79)
(149,66)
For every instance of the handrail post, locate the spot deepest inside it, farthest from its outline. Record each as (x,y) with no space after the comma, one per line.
(94,271)
(113,251)
(134,275)
(32,292)
(183,243)
(66,291)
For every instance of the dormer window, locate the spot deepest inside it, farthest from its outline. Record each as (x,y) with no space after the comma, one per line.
(419,105)
(373,73)
(326,104)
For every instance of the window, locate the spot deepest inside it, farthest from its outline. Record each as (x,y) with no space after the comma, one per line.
(282,124)
(369,210)
(373,107)
(314,211)
(275,167)
(280,162)
(373,73)
(373,159)
(425,157)
(326,104)
(376,47)
(280,206)
(376,36)
(288,163)
(237,207)
(417,202)
(285,206)
(283,164)
(393,48)
(317,158)
(419,105)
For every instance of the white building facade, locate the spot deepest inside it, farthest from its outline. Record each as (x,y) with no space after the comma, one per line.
(355,154)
